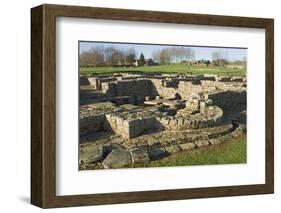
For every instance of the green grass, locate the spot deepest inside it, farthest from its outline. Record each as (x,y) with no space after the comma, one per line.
(178,68)
(230,152)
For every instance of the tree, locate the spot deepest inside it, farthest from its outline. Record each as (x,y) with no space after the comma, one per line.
(131,56)
(216,55)
(156,56)
(93,57)
(189,54)
(114,56)
(141,60)
(173,55)
(219,58)
(165,56)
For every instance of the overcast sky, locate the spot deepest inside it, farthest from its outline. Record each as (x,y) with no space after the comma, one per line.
(147,49)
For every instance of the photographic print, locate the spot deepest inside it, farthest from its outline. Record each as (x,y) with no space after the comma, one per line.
(137,106)
(156,105)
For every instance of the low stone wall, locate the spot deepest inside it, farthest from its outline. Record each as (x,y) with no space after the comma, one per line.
(96,82)
(212,116)
(167,89)
(93,82)
(109,88)
(91,124)
(140,87)
(230,100)
(159,89)
(120,153)
(92,117)
(134,124)
(83,81)
(132,127)
(190,89)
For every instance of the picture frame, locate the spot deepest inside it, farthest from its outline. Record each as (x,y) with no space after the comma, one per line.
(43,105)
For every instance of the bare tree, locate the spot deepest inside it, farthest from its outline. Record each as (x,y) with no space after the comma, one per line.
(114,56)
(156,56)
(216,55)
(189,54)
(130,56)
(220,58)
(165,56)
(93,57)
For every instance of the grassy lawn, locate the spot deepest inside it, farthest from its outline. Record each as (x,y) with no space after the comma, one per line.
(230,152)
(178,68)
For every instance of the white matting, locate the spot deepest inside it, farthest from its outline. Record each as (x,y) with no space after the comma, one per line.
(70,181)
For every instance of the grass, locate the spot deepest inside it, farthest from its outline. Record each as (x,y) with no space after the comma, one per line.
(230,152)
(178,68)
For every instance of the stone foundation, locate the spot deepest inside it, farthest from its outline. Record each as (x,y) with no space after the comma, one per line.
(150,116)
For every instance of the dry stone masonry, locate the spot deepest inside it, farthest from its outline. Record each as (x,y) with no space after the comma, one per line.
(131,119)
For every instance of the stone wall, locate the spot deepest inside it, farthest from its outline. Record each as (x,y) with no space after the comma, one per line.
(166,88)
(135,88)
(189,89)
(133,124)
(230,100)
(91,124)
(131,127)
(93,82)
(96,82)
(212,116)
(92,117)
(83,81)
(159,88)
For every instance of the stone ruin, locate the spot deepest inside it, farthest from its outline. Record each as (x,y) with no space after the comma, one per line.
(131,119)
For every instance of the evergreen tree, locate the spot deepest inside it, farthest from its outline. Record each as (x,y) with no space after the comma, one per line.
(141,60)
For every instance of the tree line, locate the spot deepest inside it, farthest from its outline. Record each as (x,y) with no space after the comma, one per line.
(173,55)
(112,56)
(107,56)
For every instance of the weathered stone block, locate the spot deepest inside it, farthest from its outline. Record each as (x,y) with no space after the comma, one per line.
(173,149)
(209,102)
(129,145)
(108,116)
(202,104)
(134,131)
(107,148)
(151,141)
(173,122)
(214,141)
(204,122)
(139,156)
(211,122)
(202,143)
(180,121)
(165,120)
(187,146)
(92,154)
(119,121)
(156,153)
(149,123)
(118,158)
(187,123)
(131,123)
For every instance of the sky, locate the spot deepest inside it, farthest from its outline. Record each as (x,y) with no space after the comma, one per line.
(147,49)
